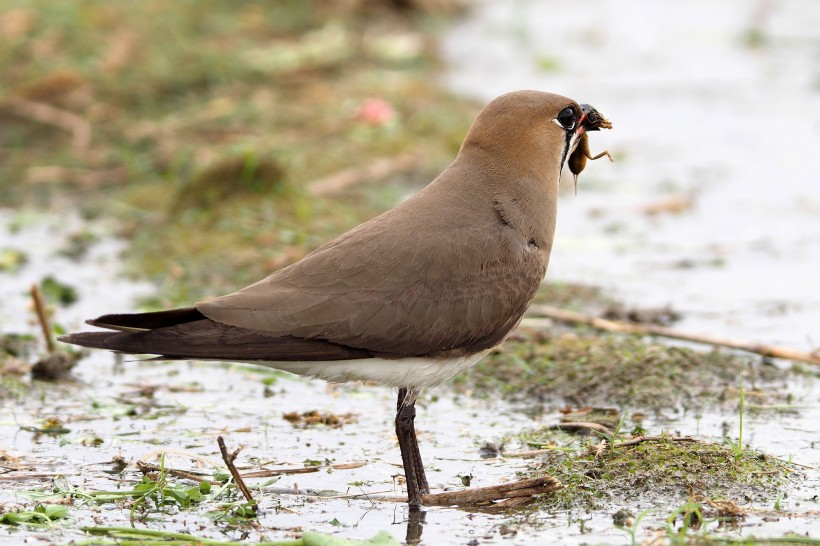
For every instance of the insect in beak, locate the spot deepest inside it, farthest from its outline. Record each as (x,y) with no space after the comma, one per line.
(591,120)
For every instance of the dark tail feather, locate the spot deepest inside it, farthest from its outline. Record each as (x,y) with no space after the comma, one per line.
(204,339)
(146,321)
(101,340)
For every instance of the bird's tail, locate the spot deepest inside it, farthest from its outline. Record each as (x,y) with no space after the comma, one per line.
(187,333)
(135,323)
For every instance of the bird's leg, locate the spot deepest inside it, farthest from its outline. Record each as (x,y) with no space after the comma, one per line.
(421,477)
(408,444)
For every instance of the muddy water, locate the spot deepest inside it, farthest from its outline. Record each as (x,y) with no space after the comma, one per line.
(137,410)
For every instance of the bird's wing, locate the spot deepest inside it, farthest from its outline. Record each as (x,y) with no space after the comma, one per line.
(459,289)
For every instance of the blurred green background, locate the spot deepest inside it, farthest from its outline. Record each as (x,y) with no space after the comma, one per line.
(260,127)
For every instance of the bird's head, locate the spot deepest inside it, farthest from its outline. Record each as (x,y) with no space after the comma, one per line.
(532,133)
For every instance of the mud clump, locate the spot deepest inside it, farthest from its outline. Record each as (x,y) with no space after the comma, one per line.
(663,469)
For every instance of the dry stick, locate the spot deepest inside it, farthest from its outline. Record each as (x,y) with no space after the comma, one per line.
(42,316)
(479,495)
(301,470)
(641,439)
(484,495)
(642,329)
(526,454)
(237,477)
(44,113)
(377,170)
(22,477)
(148,467)
(85,179)
(583,425)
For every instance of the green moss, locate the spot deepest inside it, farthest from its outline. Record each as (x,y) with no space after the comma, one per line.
(584,369)
(664,469)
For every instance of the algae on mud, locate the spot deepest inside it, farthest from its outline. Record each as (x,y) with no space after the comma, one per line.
(582,368)
(659,471)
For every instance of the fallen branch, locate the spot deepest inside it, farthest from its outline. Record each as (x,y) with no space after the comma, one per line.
(524,490)
(563,315)
(377,170)
(582,425)
(237,477)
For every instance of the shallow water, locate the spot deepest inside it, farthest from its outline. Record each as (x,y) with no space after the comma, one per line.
(110,415)
(698,114)
(714,103)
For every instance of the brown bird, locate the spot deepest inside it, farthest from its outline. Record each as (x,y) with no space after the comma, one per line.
(409,298)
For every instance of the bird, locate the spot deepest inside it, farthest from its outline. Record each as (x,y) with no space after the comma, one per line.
(409,298)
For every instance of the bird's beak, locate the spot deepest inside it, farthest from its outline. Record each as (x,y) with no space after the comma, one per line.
(592,120)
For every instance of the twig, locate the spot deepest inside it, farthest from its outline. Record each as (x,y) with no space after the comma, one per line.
(148,467)
(583,425)
(22,477)
(526,454)
(643,329)
(483,495)
(364,494)
(240,483)
(158,454)
(301,469)
(44,113)
(641,439)
(85,179)
(377,170)
(796,464)
(269,473)
(42,317)
(130,535)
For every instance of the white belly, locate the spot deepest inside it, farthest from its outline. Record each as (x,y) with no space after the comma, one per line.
(416,372)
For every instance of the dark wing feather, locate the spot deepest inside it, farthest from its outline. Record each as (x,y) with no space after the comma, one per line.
(147,321)
(207,339)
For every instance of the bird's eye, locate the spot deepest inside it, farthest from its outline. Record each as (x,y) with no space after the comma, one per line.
(566,118)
